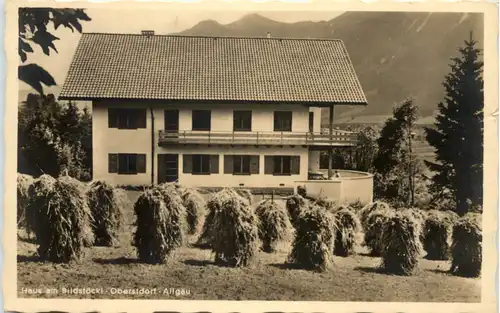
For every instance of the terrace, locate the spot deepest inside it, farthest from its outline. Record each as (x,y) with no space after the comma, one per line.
(338,138)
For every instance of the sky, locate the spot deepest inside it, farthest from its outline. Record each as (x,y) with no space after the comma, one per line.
(107,20)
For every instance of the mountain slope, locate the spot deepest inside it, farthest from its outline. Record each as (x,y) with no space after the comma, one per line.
(395,54)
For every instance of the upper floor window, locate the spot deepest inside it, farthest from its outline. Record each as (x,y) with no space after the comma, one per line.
(311,122)
(242,120)
(126,118)
(201,120)
(283,121)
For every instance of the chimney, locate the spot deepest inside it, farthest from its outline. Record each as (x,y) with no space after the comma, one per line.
(268,35)
(148,33)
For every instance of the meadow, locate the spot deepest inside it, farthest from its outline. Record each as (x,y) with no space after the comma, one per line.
(191,271)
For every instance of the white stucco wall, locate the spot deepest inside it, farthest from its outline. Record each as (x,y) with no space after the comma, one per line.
(228,180)
(106,140)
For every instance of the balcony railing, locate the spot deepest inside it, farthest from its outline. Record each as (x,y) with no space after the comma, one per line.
(338,138)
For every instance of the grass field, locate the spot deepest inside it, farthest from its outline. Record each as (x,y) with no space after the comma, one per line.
(191,269)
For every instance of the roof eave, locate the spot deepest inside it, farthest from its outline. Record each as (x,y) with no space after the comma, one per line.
(309,103)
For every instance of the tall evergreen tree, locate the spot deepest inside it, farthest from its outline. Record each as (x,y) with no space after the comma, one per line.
(396,164)
(458,132)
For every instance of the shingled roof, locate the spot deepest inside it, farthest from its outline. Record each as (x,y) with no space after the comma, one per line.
(158,67)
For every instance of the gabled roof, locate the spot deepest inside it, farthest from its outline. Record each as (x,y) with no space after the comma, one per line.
(158,67)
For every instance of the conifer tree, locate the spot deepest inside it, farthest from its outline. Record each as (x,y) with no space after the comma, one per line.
(458,132)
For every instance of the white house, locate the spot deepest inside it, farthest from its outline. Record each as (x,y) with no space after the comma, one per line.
(210,111)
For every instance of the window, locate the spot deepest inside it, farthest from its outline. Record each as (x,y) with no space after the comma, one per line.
(241,164)
(201,164)
(282,165)
(127,163)
(311,122)
(201,120)
(126,118)
(283,121)
(242,120)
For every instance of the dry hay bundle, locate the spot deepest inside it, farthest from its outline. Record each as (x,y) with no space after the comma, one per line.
(356,206)
(314,240)
(437,232)
(420,217)
(23,183)
(245,193)
(160,221)
(63,219)
(195,209)
(466,249)
(38,201)
(295,205)
(274,225)
(106,205)
(347,231)
(374,229)
(213,205)
(369,208)
(401,244)
(234,230)
(324,203)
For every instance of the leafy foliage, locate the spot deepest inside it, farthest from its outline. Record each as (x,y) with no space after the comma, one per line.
(458,132)
(51,138)
(360,157)
(396,165)
(33,24)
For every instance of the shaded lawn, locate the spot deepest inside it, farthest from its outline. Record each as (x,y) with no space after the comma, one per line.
(352,279)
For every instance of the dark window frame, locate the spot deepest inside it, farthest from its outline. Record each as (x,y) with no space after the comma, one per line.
(201,120)
(280,162)
(126,118)
(241,165)
(283,121)
(201,159)
(127,163)
(311,122)
(242,120)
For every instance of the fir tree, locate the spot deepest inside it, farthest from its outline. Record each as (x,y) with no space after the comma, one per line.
(458,132)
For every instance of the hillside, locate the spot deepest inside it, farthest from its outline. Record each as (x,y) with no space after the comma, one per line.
(395,54)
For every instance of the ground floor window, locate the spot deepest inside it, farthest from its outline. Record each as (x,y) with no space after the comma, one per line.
(241,164)
(282,165)
(126,163)
(200,164)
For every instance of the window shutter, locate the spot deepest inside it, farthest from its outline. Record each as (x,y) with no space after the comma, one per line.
(161,168)
(113,163)
(141,118)
(268,164)
(112,118)
(228,164)
(295,168)
(254,164)
(187,163)
(141,163)
(214,164)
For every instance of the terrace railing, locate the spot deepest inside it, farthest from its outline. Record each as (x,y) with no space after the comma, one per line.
(337,138)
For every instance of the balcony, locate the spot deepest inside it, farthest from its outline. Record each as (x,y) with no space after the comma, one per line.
(339,138)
